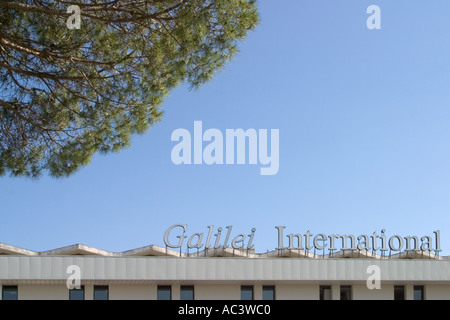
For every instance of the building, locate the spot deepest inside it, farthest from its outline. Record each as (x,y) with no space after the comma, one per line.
(154,272)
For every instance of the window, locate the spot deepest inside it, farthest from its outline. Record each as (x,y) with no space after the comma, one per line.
(268,292)
(9,293)
(76,294)
(419,293)
(246,292)
(101,293)
(325,292)
(399,292)
(164,293)
(187,293)
(346,292)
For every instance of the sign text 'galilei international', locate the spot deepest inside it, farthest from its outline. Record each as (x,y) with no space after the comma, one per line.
(220,238)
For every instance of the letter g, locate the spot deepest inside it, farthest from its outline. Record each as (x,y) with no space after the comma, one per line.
(182,237)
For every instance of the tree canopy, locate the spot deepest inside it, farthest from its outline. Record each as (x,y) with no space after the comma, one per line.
(66,94)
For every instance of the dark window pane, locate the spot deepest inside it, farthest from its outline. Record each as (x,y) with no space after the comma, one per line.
(9,293)
(268,293)
(346,293)
(187,293)
(76,294)
(246,292)
(164,293)
(418,293)
(325,292)
(399,292)
(101,293)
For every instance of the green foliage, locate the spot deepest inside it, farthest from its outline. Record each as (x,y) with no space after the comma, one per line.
(68,94)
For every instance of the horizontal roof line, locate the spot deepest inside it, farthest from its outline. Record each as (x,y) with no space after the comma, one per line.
(153,250)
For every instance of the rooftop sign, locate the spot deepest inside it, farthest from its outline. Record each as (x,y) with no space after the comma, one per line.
(220,238)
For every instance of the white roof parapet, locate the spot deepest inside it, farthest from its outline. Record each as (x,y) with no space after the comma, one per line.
(133,270)
(77,249)
(12,250)
(349,253)
(415,254)
(154,250)
(290,253)
(225,252)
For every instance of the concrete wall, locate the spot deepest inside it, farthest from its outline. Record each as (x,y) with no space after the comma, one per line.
(42,292)
(132,292)
(229,291)
(437,292)
(296,292)
(361,292)
(217,292)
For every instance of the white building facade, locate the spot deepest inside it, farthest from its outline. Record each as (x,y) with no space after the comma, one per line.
(152,273)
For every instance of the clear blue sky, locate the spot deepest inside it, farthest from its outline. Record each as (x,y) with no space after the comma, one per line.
(364,120)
